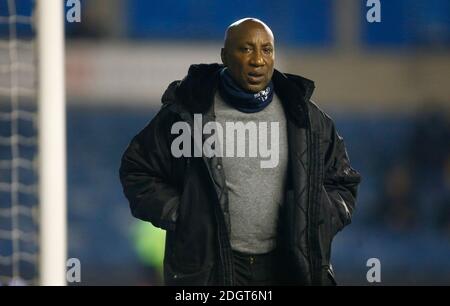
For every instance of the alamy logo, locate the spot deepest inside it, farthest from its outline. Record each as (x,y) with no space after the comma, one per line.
(374,13)
(374,273)
(74,12)
(233,136)
(73,274)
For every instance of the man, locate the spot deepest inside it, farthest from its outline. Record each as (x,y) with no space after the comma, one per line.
(229,219)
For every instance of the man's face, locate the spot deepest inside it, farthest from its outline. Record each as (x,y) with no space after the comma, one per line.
(249,55)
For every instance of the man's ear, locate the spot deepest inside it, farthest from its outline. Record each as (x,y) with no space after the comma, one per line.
(222,56)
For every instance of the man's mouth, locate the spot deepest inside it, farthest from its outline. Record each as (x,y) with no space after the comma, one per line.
(255,77)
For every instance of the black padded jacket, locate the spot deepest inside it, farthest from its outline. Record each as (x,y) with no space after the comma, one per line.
(187,197)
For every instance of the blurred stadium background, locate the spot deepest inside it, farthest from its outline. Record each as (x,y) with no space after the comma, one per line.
(385,84)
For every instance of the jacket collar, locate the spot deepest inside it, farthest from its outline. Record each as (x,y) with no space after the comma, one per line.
(196,91)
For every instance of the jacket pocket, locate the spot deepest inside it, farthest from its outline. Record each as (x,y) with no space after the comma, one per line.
(327,227)
(198,278)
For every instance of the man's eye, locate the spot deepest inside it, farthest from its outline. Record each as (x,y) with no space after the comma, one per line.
(245,49)
(268,50)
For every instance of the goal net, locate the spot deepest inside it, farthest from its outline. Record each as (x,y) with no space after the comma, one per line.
(24,204)
(18,145)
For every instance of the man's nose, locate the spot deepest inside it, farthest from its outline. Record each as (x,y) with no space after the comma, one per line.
(257,59)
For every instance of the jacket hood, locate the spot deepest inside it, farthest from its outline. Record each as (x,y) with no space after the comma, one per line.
(196,91)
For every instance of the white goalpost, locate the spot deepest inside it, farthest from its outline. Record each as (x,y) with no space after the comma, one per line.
(33,212)
(52,142)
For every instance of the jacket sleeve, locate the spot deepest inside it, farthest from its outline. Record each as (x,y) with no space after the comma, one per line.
(145,175)
(341,180)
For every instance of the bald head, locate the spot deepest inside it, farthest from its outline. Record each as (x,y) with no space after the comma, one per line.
(249,53)
(243,25)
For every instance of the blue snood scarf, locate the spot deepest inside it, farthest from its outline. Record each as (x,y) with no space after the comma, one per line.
(243,101)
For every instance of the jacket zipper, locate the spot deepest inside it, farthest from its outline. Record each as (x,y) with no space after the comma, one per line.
(310,206)
(186,116)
